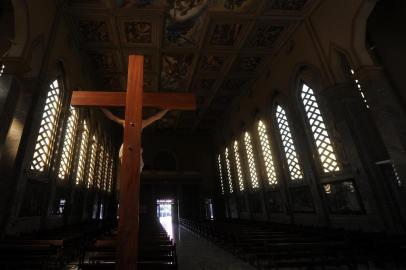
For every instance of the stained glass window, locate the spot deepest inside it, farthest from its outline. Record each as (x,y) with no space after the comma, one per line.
(359,88)
(321,137)
(292,159)
(251,160)
(267,153)
(220,173)
(92,164)
(68,144)
(80,170)
(238,166)
(230,179)
(48,129)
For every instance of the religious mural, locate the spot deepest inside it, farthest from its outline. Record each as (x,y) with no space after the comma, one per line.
(210,63)
(265,35)
(136,3)
(247,64)
(202,86)
(286,4)
(112,82)
(102,60)
(94,31)
(187,6)
(175,71)
(138,32)
(184,22)
(225,34)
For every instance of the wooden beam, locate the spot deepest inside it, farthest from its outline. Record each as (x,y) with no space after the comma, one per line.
(170,101)
(127,244)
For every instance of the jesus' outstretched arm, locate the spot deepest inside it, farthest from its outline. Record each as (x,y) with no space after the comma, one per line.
(153,118)
(145,122)
(112,117)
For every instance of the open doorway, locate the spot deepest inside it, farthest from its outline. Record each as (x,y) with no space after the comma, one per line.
(165,212)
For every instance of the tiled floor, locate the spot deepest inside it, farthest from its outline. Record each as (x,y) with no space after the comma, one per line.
(195,253)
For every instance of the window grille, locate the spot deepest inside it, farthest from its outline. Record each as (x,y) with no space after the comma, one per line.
(220,173)
(106,170)
(109,188)
(251,160)
(359,88)
(230,180)
(48,129)
(100,168)
(321,137)
(92,164)
(68,144)
(295,169)
(3,67)
(238,166)
(82,154)
(267,153)
(396,174)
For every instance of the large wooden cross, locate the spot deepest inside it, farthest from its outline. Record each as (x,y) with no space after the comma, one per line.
(133,100)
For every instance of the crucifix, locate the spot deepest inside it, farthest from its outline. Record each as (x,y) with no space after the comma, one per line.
(133,100)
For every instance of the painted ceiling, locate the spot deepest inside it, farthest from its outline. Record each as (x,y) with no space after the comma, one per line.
(213,48)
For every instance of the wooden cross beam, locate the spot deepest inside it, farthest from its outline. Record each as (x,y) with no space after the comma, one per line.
(133,100)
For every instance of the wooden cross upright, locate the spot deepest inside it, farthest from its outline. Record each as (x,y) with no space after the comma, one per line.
(133,100)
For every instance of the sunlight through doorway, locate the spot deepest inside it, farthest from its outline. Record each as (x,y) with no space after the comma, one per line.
(164,213)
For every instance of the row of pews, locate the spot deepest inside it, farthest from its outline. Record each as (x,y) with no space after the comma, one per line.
(277,246)
(51,249)
(156,250)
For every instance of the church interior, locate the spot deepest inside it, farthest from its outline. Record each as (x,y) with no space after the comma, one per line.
(202,134)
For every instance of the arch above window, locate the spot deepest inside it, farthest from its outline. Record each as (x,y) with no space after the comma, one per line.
(318,128)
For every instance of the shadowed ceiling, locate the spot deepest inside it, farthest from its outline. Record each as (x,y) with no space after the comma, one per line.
(213,48)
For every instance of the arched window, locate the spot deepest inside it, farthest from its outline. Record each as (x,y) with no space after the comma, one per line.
(68,144)
(80,169)
(48,129)
(359,88)
(230,179)
(220,173)
(321,137)
(267,153)
(238,166)
(92,164)
(292,159)
(251,160)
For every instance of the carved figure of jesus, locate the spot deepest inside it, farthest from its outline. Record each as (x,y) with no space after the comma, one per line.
(145,123)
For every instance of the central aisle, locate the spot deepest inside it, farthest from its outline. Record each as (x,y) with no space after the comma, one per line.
(196,253)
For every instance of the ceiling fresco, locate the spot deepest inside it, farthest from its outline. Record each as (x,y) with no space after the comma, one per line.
(212,48)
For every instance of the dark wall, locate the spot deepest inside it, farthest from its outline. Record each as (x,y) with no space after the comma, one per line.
(386,34)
